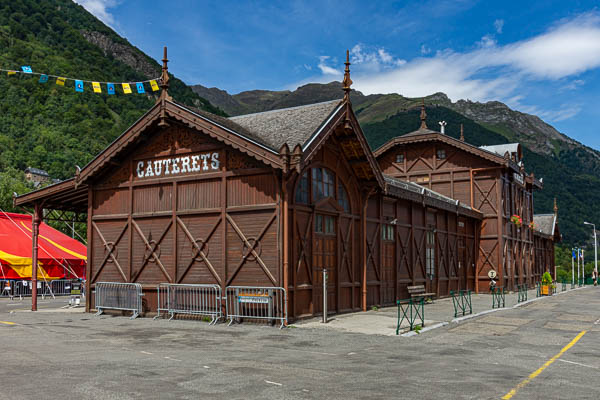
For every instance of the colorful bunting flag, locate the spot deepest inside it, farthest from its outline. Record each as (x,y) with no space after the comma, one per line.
(140,87)
(79,86)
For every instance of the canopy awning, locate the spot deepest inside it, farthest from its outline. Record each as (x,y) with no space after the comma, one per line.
(59,256)
(64,196)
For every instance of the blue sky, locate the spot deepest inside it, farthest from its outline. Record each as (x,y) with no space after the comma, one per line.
(540,57)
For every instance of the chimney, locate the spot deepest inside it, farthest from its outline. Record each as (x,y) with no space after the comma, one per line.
(442,127)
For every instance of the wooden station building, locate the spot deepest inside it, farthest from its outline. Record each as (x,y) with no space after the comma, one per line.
(490,179)
(269,199)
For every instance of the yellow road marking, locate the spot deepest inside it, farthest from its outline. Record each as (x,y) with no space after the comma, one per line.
(543,367)
(7,323)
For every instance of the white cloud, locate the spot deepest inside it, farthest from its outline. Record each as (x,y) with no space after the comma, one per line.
(573,84)
(487,72)
(487,41)
(499,24)
(99,8)
(425,49)
(327,70)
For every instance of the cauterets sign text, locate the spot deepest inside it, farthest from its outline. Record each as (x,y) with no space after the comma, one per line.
(204,162)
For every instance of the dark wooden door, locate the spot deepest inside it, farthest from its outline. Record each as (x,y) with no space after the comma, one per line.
(462,268)
(389,278)
(324,257)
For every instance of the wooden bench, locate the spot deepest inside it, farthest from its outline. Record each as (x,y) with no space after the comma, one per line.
(418,292)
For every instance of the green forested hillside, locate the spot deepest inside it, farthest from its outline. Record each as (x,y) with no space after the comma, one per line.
(52,127)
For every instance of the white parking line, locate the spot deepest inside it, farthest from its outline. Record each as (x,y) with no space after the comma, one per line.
(173,359)
(576,363)
(273,383)
(145,352)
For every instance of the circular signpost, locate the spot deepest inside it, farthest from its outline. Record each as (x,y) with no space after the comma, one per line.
(492,274)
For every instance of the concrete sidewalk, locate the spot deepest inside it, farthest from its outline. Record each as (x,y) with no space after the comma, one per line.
(439,313)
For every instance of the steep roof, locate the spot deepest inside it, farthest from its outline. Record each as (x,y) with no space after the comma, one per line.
(502,149)
(545,223)
(36,171)
(291,126)
(427,135)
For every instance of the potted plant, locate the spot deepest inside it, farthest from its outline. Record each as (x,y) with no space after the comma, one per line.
(517,220)
(532,225)
(546,289)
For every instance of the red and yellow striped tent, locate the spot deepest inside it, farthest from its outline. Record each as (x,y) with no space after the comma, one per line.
(59,256)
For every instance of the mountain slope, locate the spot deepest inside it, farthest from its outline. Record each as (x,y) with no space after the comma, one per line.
(571,171)
(52,127)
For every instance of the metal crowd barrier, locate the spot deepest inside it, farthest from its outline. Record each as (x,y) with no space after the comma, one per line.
(119,296)
(498,297)
(189,299)
(461,301)
(411,311)
(22,289)
(262,303)
(564,285)
(6,288)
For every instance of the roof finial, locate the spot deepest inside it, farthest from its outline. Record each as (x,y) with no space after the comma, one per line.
(462,133)
(347,81)
(555,207)
(164,78)
(423,115)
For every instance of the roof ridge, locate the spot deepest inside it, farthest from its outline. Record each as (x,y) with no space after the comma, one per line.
(286,109)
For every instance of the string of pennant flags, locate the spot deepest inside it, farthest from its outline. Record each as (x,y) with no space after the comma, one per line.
(80,83)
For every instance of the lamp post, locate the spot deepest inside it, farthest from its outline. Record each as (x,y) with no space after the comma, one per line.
(595,252)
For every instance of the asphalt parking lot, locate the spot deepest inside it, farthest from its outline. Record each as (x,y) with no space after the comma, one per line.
(73,355)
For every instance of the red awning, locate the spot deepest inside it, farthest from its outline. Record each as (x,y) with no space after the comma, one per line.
(59,256)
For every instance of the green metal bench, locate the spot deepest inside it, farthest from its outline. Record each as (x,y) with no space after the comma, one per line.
(412,311)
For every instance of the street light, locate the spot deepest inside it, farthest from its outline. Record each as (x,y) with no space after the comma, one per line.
(595,253)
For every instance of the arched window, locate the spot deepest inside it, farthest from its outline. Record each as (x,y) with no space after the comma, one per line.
(302,189)
(320,183)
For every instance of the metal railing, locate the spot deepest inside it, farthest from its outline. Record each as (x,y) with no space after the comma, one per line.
(119,296)
(564,285)
(538,289)
(190,299)
(461,301)
(250,302)
(411,311)
(6,288)
(522,293)
(498,297)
